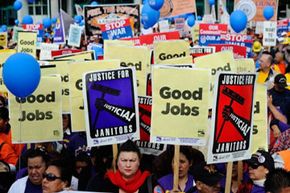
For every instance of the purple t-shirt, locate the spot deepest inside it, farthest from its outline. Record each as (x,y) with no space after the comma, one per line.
(167,182)
(32,188)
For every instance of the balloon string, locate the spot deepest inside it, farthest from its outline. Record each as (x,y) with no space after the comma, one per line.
(20,133)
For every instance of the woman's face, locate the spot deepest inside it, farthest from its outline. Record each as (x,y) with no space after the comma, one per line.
(258,173)
(184,165)
(128,164)
(51,180)
(65,121)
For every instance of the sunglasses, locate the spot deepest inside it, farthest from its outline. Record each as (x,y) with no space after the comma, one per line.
(254,166)
(50,177)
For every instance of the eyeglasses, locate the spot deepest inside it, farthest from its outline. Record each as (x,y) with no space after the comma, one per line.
(50,177)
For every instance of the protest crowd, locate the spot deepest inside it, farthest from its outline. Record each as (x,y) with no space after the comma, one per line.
(139,98)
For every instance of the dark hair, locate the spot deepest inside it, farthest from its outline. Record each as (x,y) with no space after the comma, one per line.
(276,180)
(3,100)
(4,113)
(129,146)
(37,152)
(64,170)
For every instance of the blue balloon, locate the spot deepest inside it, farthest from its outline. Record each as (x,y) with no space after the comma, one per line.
(268,12)
(211,2)
(190,20)
(54,20)
(27,19)
(82,23)
(156,4)
(94,3)
(4,28)
(46,22)
(21,74)
(31,1)
(238,21)
(78,19)
(149,16)
(17,5)
(16,21)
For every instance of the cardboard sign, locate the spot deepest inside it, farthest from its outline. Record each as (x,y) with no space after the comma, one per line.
(197,51)
(39,119)
(211,33)
(232,118)
(76,70)
(177,105)
(245,65)
(269,33)
(38,28)
(3,39)
(27,43)
(282,26)
(111,106)
(117,30)
(59,33)
(173,8)
(45,50)
(87,55)
(130,56)
(55,53)
(103,14)
(164,50)
(74,37)
(238,51)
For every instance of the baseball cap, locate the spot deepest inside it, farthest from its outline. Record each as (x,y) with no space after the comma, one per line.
(280,79)
(201,172)
(261,158)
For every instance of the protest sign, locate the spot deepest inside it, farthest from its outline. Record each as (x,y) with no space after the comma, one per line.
(238,51)
(117,29)
(55,53)
(260,125)
(111,106)
(37,118)
(255,8)
(74,37)
(76,70)
(130,56)
(4,54)
(38,28)
(102,14)
(282,26)
(269,33)
(220,61)
(211,33)
(197,51)
(15,33)
(245,65)
(59,34)
(164,50)
(177,61)
(80,56)
(27,43)
(195,33)
(3,39)
(179,110)
(173,8)
(240,40)
(45,50)
(232,118)
(108,43)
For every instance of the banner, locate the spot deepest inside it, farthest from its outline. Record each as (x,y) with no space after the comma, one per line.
(220,61)
(55,53)
(282,26)
(130,56)
(102,14)
(164,50)
(254,8)
(232,118)
(211,33)
(27,43)
(238,51)
(269,33)
(38,117)
(3,39)
(117,29)
(111,106)
(179,110)
(260,124)
(74,37)
(173,8)
(76,70)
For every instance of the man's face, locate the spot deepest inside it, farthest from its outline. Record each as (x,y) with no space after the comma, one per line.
(2,124)
(36,167)
(264,62)
(279,57)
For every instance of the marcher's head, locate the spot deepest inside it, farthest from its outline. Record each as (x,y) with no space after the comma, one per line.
(260,164)
(4,118)
(185,161)
(280,82)
(82,161)
(278,181)
(207,178)
(279,57)
(128,159)
(257,46)
(266,61)
(36,164)
(65,121)
(57,177)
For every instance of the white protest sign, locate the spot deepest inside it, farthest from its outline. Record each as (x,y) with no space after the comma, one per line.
(269,33)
